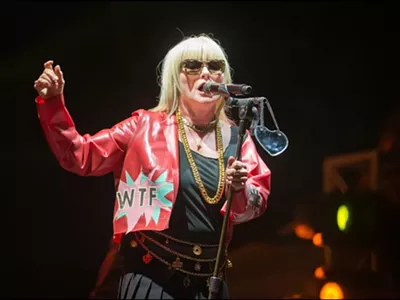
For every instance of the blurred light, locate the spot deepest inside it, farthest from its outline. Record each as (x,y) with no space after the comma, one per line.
(319,273)
(387,141)
(317,239)
(294,296)
(343,217)
(331,290)
(304,231)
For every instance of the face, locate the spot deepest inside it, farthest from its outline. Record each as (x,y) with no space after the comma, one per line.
(194,74)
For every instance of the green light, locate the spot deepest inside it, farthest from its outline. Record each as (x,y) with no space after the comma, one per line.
(343,217)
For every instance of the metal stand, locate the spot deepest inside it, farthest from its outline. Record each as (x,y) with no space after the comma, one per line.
(247,112)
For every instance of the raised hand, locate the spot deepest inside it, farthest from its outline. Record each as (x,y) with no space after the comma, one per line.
(51,82)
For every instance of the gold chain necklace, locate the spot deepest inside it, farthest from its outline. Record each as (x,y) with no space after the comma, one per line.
(200,128)
(196,174)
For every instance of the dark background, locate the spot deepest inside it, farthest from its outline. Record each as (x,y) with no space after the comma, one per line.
(326,67)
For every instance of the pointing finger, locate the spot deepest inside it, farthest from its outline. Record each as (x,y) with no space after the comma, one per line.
(48,64)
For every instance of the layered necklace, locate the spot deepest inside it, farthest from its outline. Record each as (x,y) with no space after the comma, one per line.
(196,174)
(200,128)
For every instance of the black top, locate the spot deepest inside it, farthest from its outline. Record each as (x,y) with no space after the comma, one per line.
(192,218)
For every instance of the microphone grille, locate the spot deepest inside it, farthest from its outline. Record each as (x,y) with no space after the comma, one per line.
(207,86)
(246,89)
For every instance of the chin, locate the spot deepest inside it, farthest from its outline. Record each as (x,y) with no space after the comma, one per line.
(206,101)
(213,99)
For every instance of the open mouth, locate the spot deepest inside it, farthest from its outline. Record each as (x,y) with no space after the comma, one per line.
(200,88)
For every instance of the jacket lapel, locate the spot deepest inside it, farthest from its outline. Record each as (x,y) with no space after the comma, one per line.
(172,141)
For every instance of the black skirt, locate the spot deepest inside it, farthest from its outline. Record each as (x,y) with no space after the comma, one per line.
(138,286)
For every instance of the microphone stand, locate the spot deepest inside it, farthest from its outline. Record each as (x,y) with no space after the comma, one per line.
(247,112)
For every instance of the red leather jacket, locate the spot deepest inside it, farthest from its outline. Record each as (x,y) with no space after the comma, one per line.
(142,153)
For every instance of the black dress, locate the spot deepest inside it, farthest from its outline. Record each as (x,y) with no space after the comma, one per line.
(192,219)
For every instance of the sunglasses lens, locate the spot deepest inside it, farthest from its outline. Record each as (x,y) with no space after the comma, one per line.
(192,65)
(216,66)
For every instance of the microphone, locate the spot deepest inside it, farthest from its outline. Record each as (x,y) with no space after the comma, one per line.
(226,89)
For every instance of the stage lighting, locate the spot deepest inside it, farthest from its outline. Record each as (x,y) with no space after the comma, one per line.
(319,273)
(331,290)
(344,217)
(317,240)
(304,231)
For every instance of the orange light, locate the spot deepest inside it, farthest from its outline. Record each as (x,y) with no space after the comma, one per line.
(317,240)
(319,273)
(304,231)
(331,290)
(386,142)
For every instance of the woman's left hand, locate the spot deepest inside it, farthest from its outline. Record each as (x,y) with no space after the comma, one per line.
(236,174)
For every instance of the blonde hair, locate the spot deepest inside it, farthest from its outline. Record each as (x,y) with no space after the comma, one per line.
(194,47)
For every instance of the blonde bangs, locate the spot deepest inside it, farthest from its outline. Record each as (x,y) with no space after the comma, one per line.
(201,49)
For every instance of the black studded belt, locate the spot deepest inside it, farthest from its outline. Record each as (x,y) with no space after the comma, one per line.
(186,257)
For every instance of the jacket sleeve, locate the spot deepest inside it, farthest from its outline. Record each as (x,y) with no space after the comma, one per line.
(252,201)
(85,155)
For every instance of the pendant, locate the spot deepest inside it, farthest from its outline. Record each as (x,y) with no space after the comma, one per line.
(186,281)
(198,145)
(197,250)
(229,263)
(197,267)
(147,258)
(177,264)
